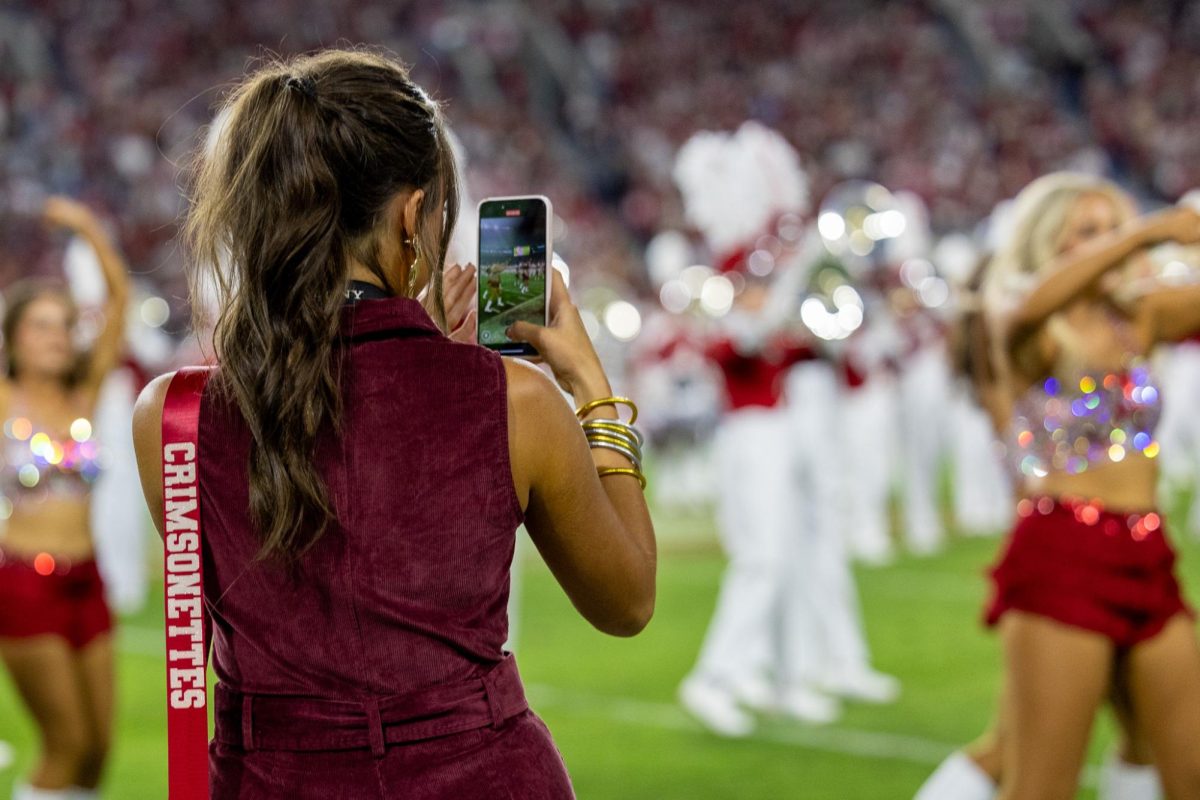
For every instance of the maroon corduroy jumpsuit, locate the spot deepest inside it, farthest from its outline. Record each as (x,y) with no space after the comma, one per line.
(374,668)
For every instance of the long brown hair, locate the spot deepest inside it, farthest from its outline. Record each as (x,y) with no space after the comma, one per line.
(294,189)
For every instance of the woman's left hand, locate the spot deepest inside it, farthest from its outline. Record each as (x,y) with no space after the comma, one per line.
(459,289)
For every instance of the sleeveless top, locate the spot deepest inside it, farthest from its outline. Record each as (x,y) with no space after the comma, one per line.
(409,588)
(1070,425)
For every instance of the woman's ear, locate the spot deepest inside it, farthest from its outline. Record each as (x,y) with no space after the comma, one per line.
(412,213)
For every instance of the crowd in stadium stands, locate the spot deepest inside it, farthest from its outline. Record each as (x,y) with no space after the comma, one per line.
(1145,107)
(587,101)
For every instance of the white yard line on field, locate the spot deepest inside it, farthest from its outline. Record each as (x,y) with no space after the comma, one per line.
(668,716)
(842,741)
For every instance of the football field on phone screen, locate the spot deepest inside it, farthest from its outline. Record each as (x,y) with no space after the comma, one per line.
(611,702)
(516,301)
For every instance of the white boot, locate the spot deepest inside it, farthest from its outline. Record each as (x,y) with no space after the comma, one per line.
(1123,781)
(957,778)
(23,791)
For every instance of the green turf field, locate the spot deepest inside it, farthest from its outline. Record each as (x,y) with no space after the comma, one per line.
(610,702)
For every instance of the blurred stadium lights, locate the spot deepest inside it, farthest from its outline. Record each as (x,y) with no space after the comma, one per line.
(155,312)
(716,296)
(623,320)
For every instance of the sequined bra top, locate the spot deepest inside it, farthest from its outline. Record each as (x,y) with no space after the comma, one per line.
(36,464)
(1069,426)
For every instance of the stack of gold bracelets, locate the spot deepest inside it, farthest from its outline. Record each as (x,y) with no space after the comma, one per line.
(613,434)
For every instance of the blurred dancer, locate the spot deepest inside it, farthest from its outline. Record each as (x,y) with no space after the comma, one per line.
(975,773)
(54,622)
(1085,596)
(118,520)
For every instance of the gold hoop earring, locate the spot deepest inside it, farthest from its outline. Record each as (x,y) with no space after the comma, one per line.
(413,267)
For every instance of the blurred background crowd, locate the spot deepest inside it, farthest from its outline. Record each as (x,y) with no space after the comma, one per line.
(961,103)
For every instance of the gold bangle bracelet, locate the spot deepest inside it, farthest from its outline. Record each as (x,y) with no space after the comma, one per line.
(587,408)
(633,473)
(596,440)
(622,428)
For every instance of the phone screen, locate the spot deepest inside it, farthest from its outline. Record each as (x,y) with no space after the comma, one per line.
(514,251)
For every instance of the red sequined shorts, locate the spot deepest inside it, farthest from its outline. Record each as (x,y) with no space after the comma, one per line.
(44,597)
(1081,565)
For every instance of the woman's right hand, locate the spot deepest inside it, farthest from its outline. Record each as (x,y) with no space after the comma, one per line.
(565,346)
(1175,224)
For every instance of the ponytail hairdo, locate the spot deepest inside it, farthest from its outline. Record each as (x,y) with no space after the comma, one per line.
(296,189)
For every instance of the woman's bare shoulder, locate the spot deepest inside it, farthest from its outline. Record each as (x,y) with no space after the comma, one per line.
(147,414)
(528,387)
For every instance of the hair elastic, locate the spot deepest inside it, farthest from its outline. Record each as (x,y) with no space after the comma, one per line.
(305,85)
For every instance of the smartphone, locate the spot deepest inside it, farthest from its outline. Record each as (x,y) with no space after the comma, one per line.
(514,262)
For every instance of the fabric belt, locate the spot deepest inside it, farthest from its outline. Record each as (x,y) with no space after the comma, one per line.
(271,722)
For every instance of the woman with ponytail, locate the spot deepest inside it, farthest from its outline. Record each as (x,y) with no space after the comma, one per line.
(362,474)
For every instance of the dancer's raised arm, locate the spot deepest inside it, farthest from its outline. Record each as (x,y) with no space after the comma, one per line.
(106,351)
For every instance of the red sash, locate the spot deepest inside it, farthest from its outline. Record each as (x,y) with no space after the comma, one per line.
(187,651)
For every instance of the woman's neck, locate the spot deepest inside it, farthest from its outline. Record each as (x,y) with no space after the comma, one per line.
(358,272)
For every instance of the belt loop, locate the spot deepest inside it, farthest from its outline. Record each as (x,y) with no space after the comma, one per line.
(247,722)
(493,697)
(374,726)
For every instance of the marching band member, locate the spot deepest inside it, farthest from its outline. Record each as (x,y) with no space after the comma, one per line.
(825,646)
(923,385)
(733,186)
(868,403)
(1180,427)
(757,515)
